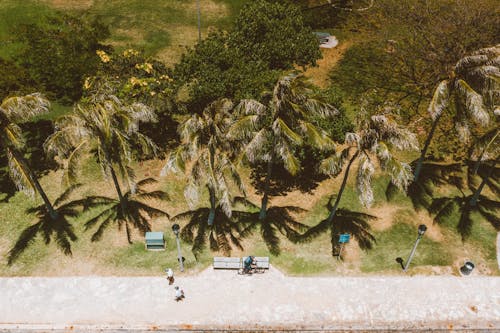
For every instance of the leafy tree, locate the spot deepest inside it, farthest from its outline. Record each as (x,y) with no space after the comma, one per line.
(133,78)
(109,129)
(266,39)
(214,69)
(206,156)
(14,79)
(275,33)
(60,53)
(272,131)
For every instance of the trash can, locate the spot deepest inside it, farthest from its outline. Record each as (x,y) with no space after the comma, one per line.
(467,268)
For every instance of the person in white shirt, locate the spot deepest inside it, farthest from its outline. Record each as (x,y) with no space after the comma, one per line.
(179,294)
(170,275)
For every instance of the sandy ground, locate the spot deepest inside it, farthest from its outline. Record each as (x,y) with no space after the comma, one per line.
(223,299)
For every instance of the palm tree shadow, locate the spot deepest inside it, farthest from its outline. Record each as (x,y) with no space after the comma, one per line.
(137,214)
(345,221)
(432,174)
(277,220)
(56,228)
(445,207)
(223,235)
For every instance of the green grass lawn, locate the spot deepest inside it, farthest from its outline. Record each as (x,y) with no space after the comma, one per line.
(114,256)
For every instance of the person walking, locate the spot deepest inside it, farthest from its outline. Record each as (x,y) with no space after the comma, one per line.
(170,275)
(179,294)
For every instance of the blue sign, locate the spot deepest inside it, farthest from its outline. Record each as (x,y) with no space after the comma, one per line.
(344,238)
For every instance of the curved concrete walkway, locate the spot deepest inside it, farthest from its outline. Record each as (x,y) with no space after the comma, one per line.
(223,299)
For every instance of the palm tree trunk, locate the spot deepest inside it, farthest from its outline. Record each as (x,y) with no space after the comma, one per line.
(418,168)
(123,204)
(211,214)
(474,198)
(265,197)
(24,164)
(479,159)
(342,187)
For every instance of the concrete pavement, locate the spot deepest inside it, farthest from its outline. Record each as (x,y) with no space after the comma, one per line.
(223,299)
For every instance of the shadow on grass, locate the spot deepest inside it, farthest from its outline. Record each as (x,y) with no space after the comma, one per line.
(345,221)
(277,220)
(134,212)
(58,229)
(223,235)
(432,174)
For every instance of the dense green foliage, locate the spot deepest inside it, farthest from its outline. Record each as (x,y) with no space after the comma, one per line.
(61,53)
(275,34)
(213,69)
(241,63)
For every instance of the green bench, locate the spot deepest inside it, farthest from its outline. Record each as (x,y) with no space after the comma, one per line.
(155,241)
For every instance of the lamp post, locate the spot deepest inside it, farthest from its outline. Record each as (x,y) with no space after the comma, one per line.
(175,229)
(421,231)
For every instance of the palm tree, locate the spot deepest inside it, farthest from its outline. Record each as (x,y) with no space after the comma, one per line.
(137,214)
(272,130)
(13,110)
(471,90)
(109,129)
(49,226)
(51,216)
(206,156)
(376,138)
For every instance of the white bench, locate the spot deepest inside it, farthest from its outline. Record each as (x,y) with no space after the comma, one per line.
(227,263)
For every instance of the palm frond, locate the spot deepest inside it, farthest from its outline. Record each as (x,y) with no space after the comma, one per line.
(440,100)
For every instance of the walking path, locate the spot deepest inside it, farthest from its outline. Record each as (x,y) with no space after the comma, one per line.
(223,299)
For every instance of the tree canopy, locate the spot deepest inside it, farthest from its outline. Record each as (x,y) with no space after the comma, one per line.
(59,55)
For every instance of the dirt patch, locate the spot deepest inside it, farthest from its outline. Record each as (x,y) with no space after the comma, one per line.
(385,214)
(319,74)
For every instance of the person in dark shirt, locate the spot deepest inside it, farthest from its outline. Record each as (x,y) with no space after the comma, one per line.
(249,263)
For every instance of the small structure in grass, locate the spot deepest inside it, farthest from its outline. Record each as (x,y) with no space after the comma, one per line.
(155,241)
